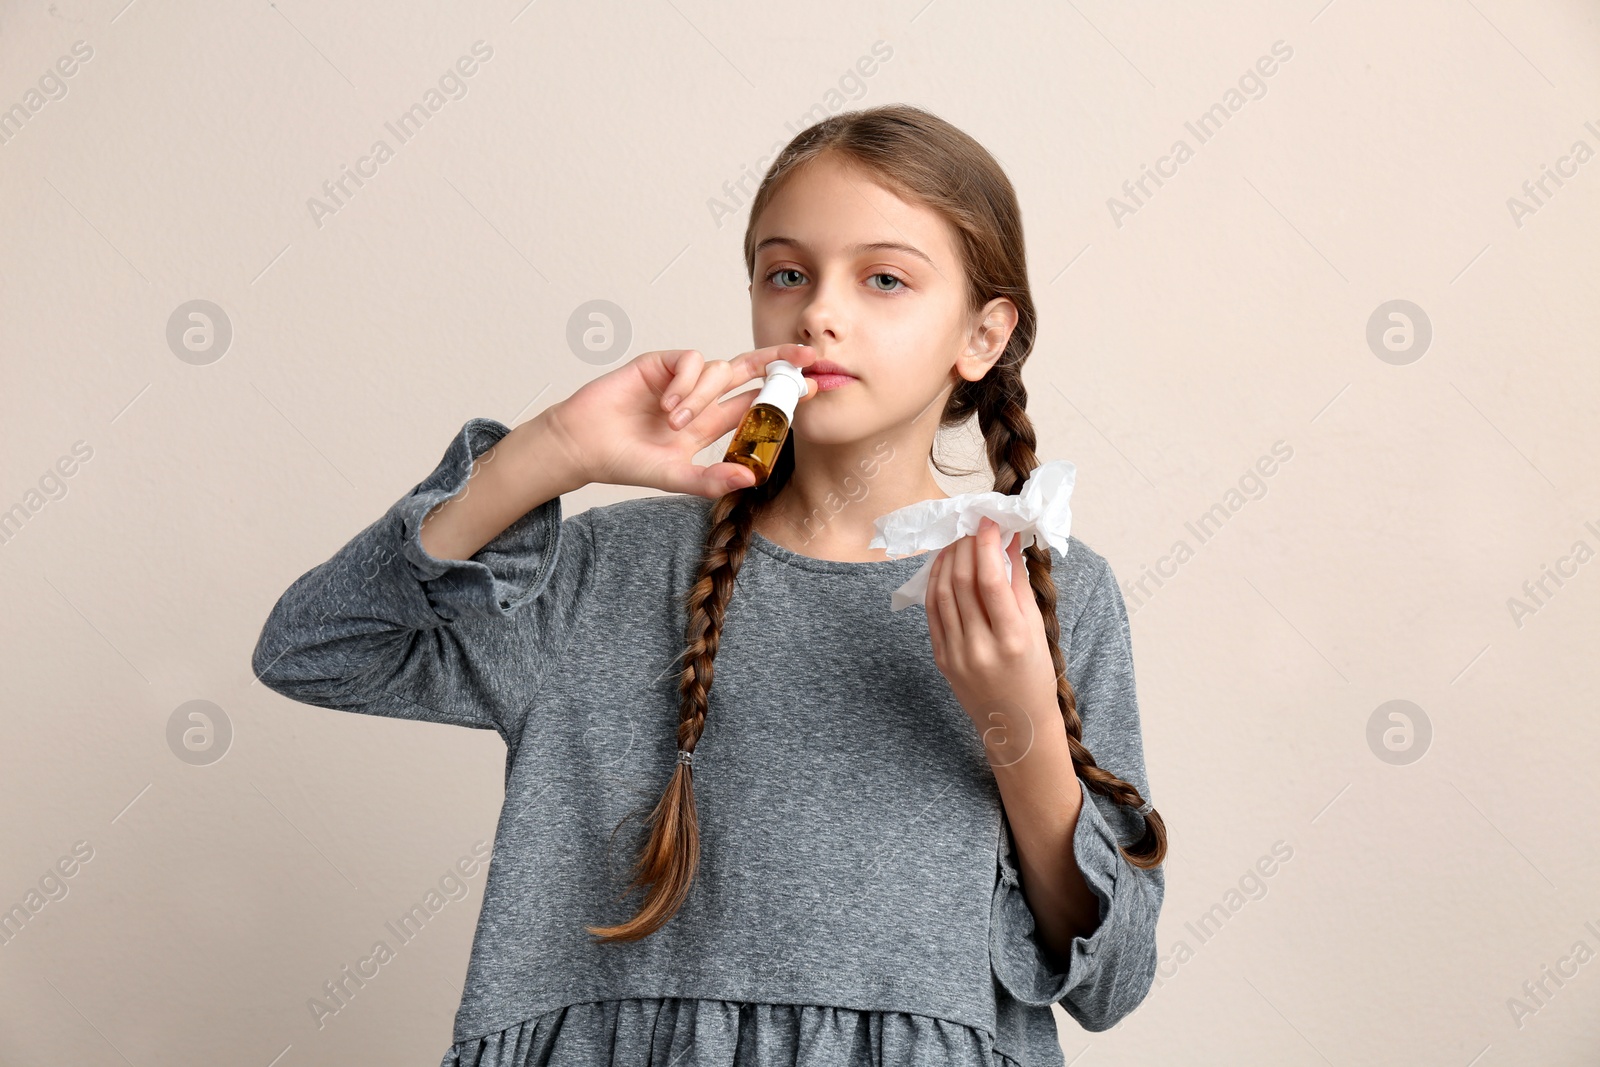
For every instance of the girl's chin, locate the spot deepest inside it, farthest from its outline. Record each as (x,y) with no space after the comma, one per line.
(824,432)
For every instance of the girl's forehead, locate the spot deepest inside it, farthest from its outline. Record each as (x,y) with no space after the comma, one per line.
(826,228)
(850,186)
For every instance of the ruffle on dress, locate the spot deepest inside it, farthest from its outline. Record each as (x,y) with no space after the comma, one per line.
(683,1032)
(1022,962)
(504,574)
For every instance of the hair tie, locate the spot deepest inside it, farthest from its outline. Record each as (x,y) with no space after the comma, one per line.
(686,755)
(1145,809)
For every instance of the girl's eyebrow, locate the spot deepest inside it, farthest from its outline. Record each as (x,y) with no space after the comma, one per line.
(872,246)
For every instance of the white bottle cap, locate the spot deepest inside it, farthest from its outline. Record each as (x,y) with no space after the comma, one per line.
(784,387)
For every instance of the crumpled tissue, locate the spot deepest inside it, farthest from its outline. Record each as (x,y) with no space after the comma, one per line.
(1041,511)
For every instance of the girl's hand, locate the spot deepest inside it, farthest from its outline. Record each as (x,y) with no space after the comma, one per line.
(643,423)
(989,641)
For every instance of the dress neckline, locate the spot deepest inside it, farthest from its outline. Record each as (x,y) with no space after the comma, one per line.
(906,564)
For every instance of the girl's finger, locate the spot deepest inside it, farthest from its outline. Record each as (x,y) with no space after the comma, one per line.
(684,372)
(995,591)
(716,480)
(964,580)
(939,587)
(723,478)
(711,383)
(753,364)
(1021,585)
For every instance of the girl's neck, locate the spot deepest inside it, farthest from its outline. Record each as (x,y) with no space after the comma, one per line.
(829,517)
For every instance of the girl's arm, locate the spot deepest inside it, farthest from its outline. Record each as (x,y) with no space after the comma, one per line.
(453,605)
(455,628)
(1109,966)
(1073,921)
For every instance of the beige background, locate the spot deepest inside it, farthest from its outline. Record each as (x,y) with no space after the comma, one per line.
(1227,313)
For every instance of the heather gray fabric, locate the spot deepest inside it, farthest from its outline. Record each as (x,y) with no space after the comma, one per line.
(857,899)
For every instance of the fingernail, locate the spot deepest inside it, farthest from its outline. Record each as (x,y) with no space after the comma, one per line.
(678,418)
(671,402)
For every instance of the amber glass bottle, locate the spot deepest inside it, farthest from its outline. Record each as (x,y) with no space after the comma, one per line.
(762,431)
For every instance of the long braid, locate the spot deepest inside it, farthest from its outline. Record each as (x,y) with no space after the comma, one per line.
(671,854)
(1011,443)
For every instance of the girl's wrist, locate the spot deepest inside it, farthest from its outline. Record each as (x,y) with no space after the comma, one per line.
(548,458)
(524,469)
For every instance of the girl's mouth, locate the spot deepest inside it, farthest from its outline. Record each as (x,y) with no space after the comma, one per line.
(828,375)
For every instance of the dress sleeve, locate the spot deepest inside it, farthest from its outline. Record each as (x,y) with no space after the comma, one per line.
(1107,973)
(384,628)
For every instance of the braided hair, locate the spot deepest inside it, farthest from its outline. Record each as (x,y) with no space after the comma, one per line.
(926,160)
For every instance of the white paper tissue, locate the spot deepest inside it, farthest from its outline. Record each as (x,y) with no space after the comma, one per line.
(1041,511)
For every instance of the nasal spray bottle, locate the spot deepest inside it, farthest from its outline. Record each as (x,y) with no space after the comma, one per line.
(765,426)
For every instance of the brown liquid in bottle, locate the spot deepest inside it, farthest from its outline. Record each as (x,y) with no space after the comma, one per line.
(758,440)
(764,428)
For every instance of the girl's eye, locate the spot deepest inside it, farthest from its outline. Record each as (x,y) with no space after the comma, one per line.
(894,284)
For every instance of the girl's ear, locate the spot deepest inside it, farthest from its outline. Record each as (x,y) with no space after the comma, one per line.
(987,343)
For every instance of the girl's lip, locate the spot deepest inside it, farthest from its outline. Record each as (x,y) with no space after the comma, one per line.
(826,367)
(827,382)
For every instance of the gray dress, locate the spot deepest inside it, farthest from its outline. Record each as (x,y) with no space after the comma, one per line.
(857,899)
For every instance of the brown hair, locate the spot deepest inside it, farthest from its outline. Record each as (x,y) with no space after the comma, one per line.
(923,159)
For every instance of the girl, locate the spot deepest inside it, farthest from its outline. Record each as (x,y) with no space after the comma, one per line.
(884,837)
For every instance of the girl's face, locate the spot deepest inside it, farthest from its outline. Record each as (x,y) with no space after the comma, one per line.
(875,285)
